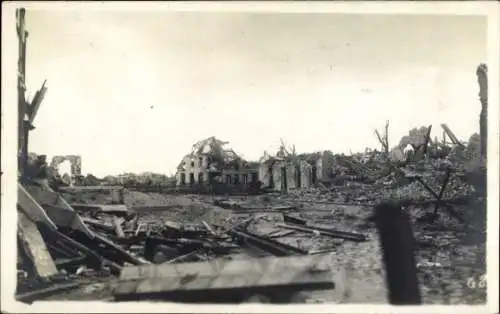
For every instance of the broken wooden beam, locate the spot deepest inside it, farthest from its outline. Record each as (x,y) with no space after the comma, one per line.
(183,257)
(70,261)
(329,232)
(119,251)
(119,208)
(269,245)
(224,280)
(59,250)
(36,102)
(99,261)
(382,141)
(398,247)
(209,228)
(322,251)
(294,219)
(57,208)
(451,135)
(427,139)
(32,209)
(98,224)
(441,192)
(280,233)
(97,188)
(117,225)
(45,292)
(35,248)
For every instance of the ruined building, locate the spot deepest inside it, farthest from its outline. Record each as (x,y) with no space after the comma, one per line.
(75,167)
(210,162)
(290,171)
(282,174)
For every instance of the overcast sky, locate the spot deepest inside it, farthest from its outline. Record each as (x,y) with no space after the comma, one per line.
(132,92)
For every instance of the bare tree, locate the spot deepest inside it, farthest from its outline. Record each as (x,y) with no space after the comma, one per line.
(482,78)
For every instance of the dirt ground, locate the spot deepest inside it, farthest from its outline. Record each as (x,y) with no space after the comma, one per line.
(448,257)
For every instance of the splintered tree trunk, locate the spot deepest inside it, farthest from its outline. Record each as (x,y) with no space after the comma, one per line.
(386,135)
(483,125)
(482,78)
(21,33)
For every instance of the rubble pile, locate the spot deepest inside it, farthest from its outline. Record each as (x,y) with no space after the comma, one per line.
(107,239)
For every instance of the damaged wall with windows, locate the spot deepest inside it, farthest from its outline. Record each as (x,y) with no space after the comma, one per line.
(210,163)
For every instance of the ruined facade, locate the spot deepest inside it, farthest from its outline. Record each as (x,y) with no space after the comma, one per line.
(210,162)
(76,167)
(283,172)
(323,164)
(76,163)
(416,137)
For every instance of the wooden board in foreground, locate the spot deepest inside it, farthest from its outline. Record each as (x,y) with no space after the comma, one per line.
(35,246)
(230,277)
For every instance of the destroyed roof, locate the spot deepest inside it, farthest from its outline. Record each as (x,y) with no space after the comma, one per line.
(252,164)
(210,145)
(229,155)
(215,150)
(268,159)
(271,160)
(311,158)
(181,164)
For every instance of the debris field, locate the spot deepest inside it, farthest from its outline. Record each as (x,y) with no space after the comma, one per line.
(334,221)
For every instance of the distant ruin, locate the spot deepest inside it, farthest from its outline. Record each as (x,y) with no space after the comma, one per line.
(210,162)
(76,166)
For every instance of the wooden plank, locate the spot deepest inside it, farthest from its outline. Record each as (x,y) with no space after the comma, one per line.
(332,233)
(451,135)
(120,252)
(100,207)
(30,207)
(151,208)
(268,244)
(115,268)
(41,196)
(226,267)
(66,219)
(98,224)
(209,228)
(61,213)
(280,233)
(303,273)
(240,281)
(43,263)
(70,261)
(90,188)
(36,102)
(294,219)
(46,292)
